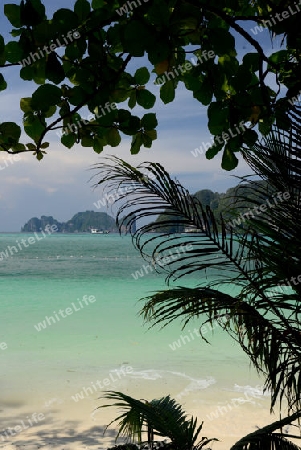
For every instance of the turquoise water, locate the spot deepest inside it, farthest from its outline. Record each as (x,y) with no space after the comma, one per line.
(97,338)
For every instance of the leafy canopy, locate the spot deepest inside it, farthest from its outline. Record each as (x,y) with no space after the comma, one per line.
(88,63)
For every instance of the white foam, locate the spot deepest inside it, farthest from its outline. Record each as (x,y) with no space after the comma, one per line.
(152,374)
(256,391)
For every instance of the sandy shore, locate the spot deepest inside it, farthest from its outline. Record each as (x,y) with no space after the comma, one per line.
(70,425)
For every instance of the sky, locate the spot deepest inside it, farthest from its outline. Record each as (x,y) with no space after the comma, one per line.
(60,184)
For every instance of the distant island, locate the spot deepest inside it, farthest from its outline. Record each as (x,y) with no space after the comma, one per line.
(237,198)
(82,222)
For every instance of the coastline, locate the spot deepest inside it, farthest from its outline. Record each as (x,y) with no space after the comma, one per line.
(227,415)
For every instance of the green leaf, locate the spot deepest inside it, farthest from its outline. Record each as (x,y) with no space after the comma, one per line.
(145,98)
(82,9)
(133,126)
(134,45)
(279,57)
(152,134)
(222,41)
(39,70)
(142,76)
(76,95)
(167,92)
(32,12)
(2,45)
(50,112)
(213,151)
(45,96)
(149,121)
(10,133)
(33,127)
(16,33)
(27,73)
(3,84)
(113,137)
(204,92)
(65,20)
(31,146)
(13,52)
(96,4)
(250,137)
(147,140)
(54,70)
(252,61)
(87,141)
(45,32)
(19,148)
(124,116)
(12,12)
(137,141)
(133,99)
(218,115)
(39,156)
(68,140)
(98,145)
(229,161)
(25,104)
(45,145)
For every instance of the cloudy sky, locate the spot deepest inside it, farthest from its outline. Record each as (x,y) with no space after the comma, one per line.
(59,184)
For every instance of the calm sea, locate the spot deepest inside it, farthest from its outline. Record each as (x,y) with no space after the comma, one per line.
(69,317)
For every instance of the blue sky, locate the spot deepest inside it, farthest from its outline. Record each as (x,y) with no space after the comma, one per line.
(59,184)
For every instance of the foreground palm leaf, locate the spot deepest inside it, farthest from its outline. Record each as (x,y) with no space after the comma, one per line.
(266,438)
(162,417)
(262,262)
(262,318)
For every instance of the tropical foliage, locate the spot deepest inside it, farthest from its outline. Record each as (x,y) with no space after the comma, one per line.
(84,61)
(162,417)
(264,263)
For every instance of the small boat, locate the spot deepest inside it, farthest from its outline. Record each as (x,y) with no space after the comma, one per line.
(96,231)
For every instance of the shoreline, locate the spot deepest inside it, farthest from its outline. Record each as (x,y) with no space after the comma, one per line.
(79,426)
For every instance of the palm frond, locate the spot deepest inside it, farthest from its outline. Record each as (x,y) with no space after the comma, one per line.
(266,326)
(164,417)
(266,439)
(141,196)
(272,349)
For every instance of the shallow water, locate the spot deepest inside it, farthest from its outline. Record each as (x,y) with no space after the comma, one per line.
(105,338)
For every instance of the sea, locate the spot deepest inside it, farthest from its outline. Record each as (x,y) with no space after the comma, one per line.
(71,330)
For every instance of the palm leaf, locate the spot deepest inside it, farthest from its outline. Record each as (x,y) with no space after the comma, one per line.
(266,439)
(267,327)
(164,417)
